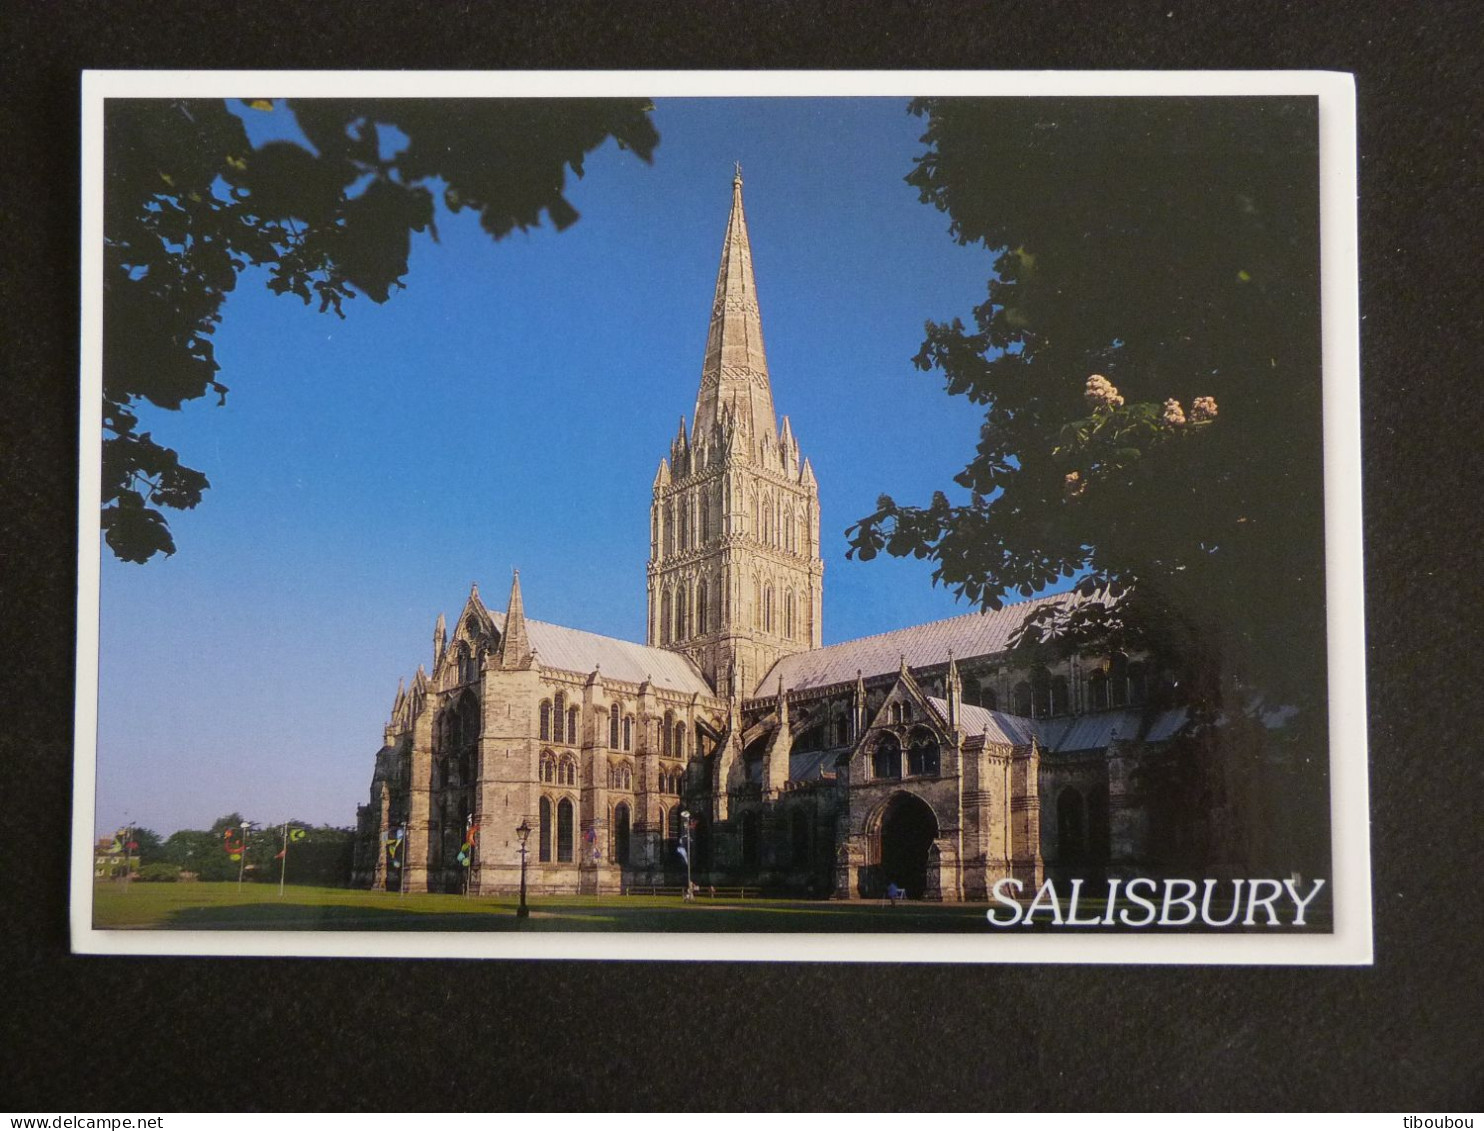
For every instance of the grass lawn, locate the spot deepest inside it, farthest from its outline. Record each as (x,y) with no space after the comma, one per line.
(258,907)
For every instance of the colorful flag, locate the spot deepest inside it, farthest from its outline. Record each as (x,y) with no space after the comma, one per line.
(297,834)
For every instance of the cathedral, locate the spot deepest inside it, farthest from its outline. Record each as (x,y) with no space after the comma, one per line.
(928,758)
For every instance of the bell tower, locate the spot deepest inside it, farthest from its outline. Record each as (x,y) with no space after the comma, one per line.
(735,577)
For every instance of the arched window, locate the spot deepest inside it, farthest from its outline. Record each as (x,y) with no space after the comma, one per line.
(548,768)
(628,732)
(681,631)
(788,614)
(613,727)
(886,759)
(546,720)
(1138,684)
(1022,698)
(704,511)
(684,524)
(665,733)
(788,528)
(1040,693)
(679,740)
(621,833)
(767,608)
(842,731)
(568,771)
(1097,690)
(626,777)
(703,600)
(558,715)
(572,725)
(922,754)
(669,528)
(543,846)
(1118,679)
(1060,697)
(757,604)
(564,831)
(665,622)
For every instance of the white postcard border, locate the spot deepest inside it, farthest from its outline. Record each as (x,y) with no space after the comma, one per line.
(1351,941)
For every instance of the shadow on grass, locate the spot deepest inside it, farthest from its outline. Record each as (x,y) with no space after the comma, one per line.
(707,918)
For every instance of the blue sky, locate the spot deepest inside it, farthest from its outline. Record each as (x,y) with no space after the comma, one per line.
(508,409)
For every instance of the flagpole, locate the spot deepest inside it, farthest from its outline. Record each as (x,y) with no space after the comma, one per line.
(283,860)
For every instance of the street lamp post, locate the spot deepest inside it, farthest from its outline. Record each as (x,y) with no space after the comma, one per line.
(242,860)
(523,830)
(685,844)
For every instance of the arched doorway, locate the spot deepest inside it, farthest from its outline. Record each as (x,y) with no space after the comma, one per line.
(908,829)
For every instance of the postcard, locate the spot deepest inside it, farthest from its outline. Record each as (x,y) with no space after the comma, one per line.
(826,516)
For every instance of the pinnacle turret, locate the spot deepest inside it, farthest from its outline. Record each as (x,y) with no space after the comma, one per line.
(515,645)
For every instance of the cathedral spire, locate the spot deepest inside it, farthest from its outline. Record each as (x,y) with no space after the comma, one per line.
(515,646)
(735,370)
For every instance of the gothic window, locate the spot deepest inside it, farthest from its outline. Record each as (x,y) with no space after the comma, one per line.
(842,731)
(625,777)
(680,626)
(679,740)
(768,608)
(704,513)
(1060,696)
(1138,684)
(886,759)
(703,601)
(665,622)
(564,831)
(543,846)
(665,733)
(546,720)
(572,725)
(568,771)
(669,528)
(684,524)
(548,768)
(788,614)
(1097,690)
(1118,679)
(558,715)
(628,732)
(613,727)
(922,754)
(1040,693)
(621,833)
(757,604)
(1023,698)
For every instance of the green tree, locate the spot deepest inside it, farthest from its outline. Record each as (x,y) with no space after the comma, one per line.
(1147,357)
(189,204)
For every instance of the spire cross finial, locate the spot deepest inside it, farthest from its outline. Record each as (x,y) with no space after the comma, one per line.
(737,178)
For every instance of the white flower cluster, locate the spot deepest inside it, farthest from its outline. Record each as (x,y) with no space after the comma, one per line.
(1203,408)
(1173,413)
(1101,393)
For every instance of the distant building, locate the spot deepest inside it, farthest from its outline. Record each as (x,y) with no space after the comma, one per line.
(927,757)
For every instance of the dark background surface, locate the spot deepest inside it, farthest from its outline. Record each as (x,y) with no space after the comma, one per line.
(118,1034)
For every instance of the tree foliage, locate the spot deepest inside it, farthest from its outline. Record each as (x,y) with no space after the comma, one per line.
(1168,248)
(190,204)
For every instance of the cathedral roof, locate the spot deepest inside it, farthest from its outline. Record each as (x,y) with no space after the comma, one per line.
(572,650)
(1012,730)
(922,645)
